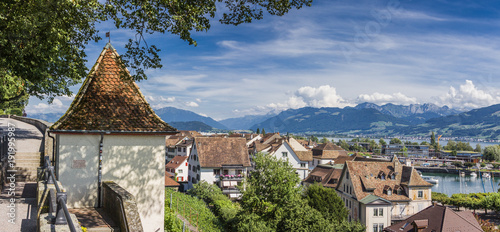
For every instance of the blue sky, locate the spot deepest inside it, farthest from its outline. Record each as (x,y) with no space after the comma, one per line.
(333,54)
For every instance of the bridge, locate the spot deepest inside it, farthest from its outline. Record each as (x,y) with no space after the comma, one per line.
(23,144)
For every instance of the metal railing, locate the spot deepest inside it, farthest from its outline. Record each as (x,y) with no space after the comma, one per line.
(62,214)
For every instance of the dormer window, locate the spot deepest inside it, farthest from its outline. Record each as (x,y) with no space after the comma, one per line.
(388,190)
(381,175)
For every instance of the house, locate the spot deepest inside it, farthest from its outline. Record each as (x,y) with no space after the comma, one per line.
(110,133)
(220,161)
(170,182)
(179,145)
(437,218)
(327,175)
(466,156)
(379,193)
(299,157)
(178,167)
(326,153)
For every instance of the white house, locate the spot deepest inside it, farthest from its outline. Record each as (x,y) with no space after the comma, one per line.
(178,167)
(299,157)
(110,133)
(220,161)
(378,193)
(326,153)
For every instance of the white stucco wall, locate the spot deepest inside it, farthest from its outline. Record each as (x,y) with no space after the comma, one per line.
(370,219)
(207,174)
(293,160)
(136,163)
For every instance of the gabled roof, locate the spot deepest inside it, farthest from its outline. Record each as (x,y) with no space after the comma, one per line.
(176,162)
(327,175)
(110,101)
(173,140)
(328,151)
(438,218)
(169,182)
(366,178)
(217,152)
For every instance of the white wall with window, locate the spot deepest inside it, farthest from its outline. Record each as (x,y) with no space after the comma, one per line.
(286,152)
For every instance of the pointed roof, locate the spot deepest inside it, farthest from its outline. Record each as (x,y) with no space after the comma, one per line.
(110,101)
(438,218)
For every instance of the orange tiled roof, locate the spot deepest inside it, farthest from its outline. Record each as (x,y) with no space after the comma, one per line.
(366,178)
(109,100)
(169,182)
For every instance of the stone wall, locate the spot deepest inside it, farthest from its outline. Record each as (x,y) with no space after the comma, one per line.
(42,126)
(120,205)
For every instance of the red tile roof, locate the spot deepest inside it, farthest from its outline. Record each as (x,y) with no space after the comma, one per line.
(109,100)
(176,162)
(438,218)
(169,182)
(216,152)
(366,178)
(327,175)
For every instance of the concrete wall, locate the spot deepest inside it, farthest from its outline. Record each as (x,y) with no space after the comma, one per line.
(42,126)
(136,163)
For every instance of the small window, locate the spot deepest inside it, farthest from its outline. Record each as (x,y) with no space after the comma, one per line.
(189,167)
(198,177)
(178,149)
(420,194)
(180,171)
(381,212)
(381,227)
(375,212)
(216,171)
(285,154)
(302,165)
(183,149)
(375,227)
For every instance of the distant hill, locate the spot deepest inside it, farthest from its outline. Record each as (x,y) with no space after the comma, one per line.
(192,126)
(414,113)
(481,123)
(334,120)
(50,117)
(171,114)
(244,123)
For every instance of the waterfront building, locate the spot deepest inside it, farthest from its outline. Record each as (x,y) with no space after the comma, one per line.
(420,151)
(466,156)
(380,193)
(110,133)
(437,218)
(220,161)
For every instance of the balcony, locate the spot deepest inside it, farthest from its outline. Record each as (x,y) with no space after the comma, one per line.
(232,177)
(230,190)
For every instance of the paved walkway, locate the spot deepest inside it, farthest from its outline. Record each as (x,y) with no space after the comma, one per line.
(24,210)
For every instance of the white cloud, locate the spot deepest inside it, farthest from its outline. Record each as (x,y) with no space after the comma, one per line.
(467,96)
(323,96)
(57,106)
(192,104)
(381,98)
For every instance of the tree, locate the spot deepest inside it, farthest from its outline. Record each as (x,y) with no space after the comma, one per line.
(468,164)
(263,131)
(492,153)
(258,131)
(395,141)
(433,139)
(450,146)
(266,201)
(327,202)
(478,148)
(45,40)
(382,142)
(424,143)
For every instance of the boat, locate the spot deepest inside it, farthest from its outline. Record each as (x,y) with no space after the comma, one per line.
(486,175)
(473,174)
(430,179)
(462,174)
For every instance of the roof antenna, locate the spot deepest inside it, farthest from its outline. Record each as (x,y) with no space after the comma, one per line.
(108,36)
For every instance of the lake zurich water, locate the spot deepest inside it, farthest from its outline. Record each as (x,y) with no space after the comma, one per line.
(452,183)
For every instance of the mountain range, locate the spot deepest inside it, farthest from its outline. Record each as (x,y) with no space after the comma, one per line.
(365,118)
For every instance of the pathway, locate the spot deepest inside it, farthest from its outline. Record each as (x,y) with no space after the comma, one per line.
(20,201)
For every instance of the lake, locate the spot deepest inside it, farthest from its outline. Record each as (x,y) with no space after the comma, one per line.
(451,183)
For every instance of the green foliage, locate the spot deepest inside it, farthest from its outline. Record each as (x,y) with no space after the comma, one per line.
(263,131)
(457,164)
(492,153)
(327,202)
(478,148)
(382,142)
(45,40)
(205,191)
(272,201)
(425,143)
(469,164)
(395,141)
(172,223)
(343,144)
(460,146)
(433,140)
(324,140)
(486,201)
(194,210)
(258,131)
